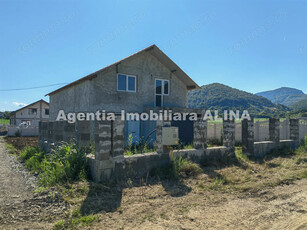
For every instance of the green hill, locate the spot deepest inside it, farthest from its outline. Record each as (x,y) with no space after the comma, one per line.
(221,97)
(299,105)
(285,95)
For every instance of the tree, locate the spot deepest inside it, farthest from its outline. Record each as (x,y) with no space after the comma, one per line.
(6,115)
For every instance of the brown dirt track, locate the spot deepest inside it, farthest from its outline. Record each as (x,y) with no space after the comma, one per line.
(164,205)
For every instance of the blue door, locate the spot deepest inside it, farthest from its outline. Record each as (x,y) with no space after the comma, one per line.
(134,131)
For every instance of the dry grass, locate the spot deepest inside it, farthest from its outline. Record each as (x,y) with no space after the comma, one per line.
(153,200)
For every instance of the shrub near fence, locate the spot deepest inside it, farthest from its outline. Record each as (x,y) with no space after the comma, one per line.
(65,163)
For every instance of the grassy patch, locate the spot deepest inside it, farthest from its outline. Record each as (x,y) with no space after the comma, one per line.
(10,148)
(4,121)
(75,222)
(65,163)
(279,167)
(142,147)
(178,168)
(183,167)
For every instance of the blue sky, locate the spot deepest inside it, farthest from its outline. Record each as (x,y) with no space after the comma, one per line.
(250,45)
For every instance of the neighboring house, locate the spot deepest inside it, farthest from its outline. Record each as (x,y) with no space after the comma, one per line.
(31,114)
(146,79)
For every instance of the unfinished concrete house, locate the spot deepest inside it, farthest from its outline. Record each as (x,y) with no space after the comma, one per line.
(143,81)
(148,79)
(31,114)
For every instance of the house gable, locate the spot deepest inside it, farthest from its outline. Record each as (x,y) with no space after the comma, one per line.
(155,51)
(100,93)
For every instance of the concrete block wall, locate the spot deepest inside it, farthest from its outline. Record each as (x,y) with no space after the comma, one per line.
(83,133)
(200,134)
(158,143)
(69,132)
(248,137)
(229,136)
(295,131)
(109,161)
(259,149)
(274,131)
(109,145)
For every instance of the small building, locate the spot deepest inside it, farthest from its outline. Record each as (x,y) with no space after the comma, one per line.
(147,79)
(31,114)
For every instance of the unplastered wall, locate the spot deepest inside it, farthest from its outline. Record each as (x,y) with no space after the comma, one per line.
(101,93)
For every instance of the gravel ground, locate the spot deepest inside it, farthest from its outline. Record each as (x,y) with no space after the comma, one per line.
(20,206)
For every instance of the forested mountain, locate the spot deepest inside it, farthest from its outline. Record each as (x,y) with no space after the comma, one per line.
(221,97)
(285,95)
(299,105)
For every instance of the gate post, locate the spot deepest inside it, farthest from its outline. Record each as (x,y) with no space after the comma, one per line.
(294,131)
(274,130)
(229,136)
(200,133)
(248,137)
(118,144)
(158,143)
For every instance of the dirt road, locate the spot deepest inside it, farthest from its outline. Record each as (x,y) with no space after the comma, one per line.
(281,207)
(20,207)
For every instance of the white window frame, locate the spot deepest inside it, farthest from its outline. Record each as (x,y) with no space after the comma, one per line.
(30,111)
(127,77)
(162,90)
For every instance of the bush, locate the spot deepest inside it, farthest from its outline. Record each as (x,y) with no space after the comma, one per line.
(65,163)
(18,133)
(179,167)
(34,164)
(185,167)
(29,152)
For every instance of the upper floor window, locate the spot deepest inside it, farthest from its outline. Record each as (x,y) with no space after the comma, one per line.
(126,83)
(161,89)
(32,111)
(46,111)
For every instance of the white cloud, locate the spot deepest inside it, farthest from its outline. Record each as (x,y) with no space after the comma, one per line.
(19,104)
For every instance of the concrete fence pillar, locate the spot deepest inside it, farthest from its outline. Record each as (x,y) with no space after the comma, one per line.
(118,143)
(102,140)
(229,135)
(294,131)
(274,130)
(257,131)
(248,137)
(200,134)
(103,165)
(158,143)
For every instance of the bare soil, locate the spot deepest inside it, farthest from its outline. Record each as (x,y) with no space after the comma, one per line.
(20,142)
(256,196)
(282,207)
(20,206)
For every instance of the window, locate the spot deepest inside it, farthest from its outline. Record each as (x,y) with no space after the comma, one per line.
(166,84)
(26,122)
(32,111)
(126,83)
(46,111)
(162,89)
